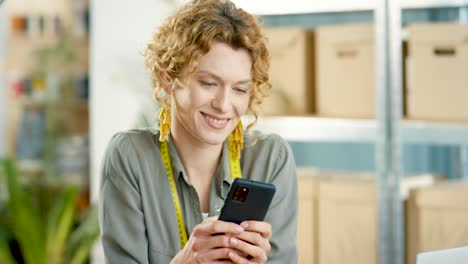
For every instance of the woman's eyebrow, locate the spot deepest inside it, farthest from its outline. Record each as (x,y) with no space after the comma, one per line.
(210,74)
(246,81)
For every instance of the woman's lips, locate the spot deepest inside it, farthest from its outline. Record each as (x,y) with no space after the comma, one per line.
(216,122)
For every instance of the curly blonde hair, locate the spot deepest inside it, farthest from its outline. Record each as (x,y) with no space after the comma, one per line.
(186,35)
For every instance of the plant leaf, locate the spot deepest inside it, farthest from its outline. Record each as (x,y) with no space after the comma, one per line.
(25,220)
(5,254)
(59,224)
(84,237)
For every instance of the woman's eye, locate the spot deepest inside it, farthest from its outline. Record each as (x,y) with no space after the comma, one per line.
(208,84)
(240,90)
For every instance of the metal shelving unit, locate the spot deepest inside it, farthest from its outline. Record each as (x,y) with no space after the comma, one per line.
(389,131)
(305,6)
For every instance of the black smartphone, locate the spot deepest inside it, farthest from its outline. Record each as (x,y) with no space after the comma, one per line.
(247,200)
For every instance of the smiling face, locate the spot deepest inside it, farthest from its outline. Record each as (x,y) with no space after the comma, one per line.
(216,96)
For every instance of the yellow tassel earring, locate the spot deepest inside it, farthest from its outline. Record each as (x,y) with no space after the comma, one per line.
(164,123)
(238,140)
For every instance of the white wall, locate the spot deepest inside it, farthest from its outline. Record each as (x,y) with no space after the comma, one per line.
(119,83)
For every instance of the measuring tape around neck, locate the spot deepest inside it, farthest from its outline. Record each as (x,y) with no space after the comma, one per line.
(234,166)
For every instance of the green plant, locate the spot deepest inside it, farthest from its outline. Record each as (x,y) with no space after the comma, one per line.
(46,232)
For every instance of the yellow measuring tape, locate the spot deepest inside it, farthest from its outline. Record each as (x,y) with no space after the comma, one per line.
(234,163)
(236,172)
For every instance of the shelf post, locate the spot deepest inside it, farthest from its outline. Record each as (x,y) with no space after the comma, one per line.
(463,19)
(387,17)
(464,162)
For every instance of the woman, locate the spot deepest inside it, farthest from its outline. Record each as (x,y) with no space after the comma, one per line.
(162,190)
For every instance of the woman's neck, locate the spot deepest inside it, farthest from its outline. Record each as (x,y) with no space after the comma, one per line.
(200,160)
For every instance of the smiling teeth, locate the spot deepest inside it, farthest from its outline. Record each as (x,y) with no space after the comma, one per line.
(216,121)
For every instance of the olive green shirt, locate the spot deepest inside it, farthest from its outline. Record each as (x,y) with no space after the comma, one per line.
(136,212)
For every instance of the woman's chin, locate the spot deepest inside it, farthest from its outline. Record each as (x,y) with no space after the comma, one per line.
(212,138)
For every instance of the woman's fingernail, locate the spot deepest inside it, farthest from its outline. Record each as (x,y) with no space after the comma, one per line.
(245,225)
(239,229)
(234,241)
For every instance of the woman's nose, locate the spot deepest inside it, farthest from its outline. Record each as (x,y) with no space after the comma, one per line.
(221,101)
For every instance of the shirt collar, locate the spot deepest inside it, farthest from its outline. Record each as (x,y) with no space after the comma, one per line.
(177,166)
(223,172)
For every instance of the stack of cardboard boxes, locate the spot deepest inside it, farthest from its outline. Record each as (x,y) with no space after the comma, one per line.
(338,217)
(330,72)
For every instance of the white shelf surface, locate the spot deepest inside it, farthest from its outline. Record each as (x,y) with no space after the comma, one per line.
(319,129)
(280,7)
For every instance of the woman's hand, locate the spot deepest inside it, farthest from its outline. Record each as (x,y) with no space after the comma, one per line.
(254,242)
(210,243)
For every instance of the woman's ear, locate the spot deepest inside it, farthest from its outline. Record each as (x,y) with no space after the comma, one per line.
(166,81)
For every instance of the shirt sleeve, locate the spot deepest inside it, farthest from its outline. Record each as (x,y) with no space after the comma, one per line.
(283,211)
(121,216)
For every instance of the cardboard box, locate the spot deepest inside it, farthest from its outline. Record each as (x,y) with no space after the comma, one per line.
(437,218)
(345,71)
(348,216)
(326,199)
(308,209)
(308,223)
(348,222)
(437,79)
(291,72)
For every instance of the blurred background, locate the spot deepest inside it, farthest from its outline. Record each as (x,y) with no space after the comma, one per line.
(371,95)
